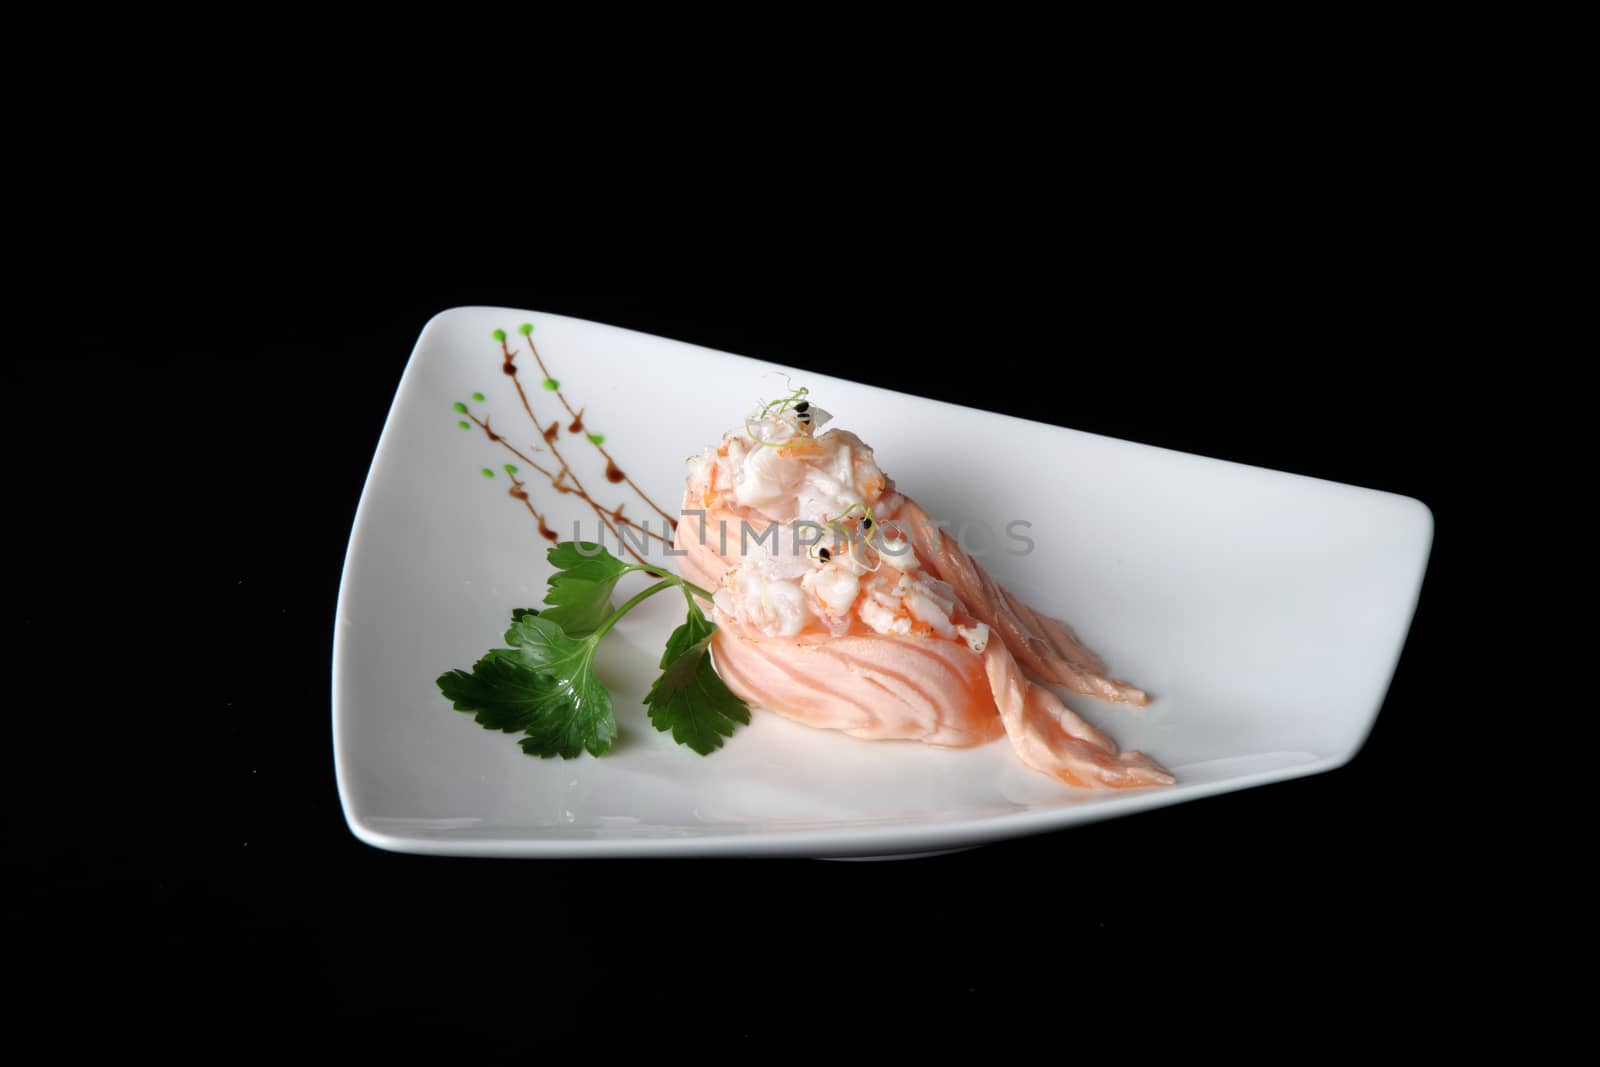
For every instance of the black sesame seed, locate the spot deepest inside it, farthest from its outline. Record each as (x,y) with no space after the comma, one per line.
(822,554)
(803,407)
(866,524)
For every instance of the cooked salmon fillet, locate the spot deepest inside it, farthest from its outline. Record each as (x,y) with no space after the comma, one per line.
(880,644)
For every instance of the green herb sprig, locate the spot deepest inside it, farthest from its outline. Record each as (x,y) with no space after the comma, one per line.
(544,686)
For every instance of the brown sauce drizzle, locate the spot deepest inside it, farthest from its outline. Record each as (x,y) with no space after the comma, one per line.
(565,481)
(517,492)
(614,473)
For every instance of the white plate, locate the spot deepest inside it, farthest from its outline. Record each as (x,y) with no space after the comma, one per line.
(1264,611)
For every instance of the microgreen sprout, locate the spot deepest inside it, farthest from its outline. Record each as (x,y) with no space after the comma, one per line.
(796,401)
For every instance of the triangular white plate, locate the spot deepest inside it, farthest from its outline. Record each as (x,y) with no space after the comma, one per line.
(1264,611)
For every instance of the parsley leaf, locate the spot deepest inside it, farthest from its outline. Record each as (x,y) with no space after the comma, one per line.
(580,589)
(688,698)
(543,687)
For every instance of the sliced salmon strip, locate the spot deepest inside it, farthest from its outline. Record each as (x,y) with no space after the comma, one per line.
(870,686)
(1045,646)
(1051,739)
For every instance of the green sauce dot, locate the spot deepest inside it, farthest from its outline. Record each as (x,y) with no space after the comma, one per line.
(460,407)
(598,438)
(487,473)
(551,384)
(510,469)
(525,329)
(478,397)
(464,424)
(499,335)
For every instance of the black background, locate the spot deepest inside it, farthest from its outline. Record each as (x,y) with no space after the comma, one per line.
(242,393)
